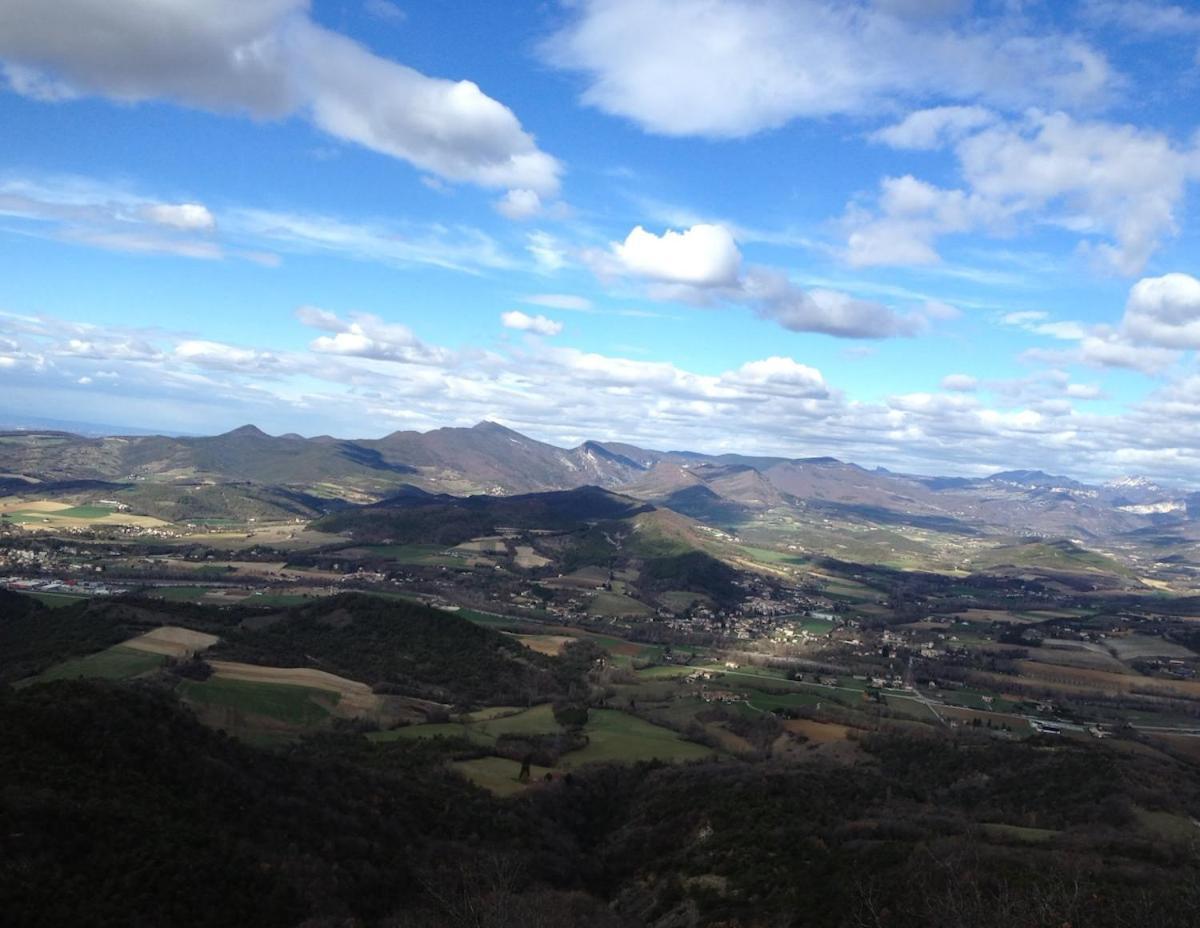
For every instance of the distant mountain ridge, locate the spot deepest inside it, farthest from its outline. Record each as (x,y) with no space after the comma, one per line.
(492,459)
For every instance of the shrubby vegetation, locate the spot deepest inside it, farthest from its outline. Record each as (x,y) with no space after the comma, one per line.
(118,808)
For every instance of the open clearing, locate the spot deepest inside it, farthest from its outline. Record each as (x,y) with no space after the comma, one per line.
(229,701)
(115,663)
(617,737)
(354,698)
(498,775)
(1134,647)
(820,732)
(617,604)
(613,736)
(529,559)
(41,514)
(172,641)
(544,644)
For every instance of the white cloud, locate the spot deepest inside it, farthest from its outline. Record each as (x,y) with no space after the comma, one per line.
(779,376)
(188,217)
(933,128)
(548,253)
(1141,17)
(367,336)
(1084,391)
(566,301)
(702,256)
(1116,186)
(702,265)
(730,68)
(222,356)
(1164,311)
(519,204)
(454,248)
(539,325)
(775,405)
(960,383)
(385,10)
(269,59)
(827,311)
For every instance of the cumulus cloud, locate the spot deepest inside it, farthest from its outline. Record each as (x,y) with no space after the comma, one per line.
(1164,311)
(519,204)
(367,336)
(827,311)
(222,356)
(702,256)
(1116,186)
(269,59)
(538,325)
(703,265)
(730,68)
(779,376)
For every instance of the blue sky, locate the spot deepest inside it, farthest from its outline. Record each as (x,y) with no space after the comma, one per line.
(935,235)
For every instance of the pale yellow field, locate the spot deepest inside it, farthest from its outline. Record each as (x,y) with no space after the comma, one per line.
(544,644)
(528,558)
(38,505)
(817,731)
(173,641)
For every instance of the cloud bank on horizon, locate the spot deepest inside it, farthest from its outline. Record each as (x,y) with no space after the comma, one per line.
(945,235)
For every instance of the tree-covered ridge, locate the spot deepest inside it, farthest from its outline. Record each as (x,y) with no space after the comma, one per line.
(447,520)
(398,646)
(118,808)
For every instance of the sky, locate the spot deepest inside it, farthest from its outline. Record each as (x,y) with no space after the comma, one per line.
(938,236)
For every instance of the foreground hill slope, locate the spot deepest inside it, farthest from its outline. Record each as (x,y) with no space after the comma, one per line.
(119,808)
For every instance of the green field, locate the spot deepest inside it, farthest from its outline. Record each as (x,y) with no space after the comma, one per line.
(180,594)
(294,705)
(498,774)
(617,604)
(56,600)
(482,727)
(613,736)
(767,702)
(116,663)
(414,554)
(616,737)
(84,512)
(276,599)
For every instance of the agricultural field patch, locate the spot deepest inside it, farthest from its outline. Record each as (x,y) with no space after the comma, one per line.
(528,559)
(820,732)
(56,600)
(617,604)
(617,737)
(1134,647)
(544,644)
(498,775)
(172,641)
(249,703)
(115,663)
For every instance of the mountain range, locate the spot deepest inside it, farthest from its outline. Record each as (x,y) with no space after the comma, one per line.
(491,459)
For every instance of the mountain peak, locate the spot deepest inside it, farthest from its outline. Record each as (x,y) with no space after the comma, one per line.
(487,425)
(246,431)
